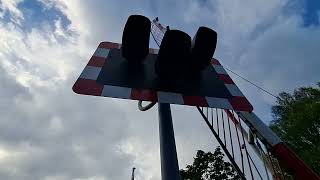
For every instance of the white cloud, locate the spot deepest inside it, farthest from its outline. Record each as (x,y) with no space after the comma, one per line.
(284,57)
(10,6)
(60,135)
(36,58)
(39,116)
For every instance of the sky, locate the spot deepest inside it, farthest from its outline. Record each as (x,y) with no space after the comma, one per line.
(47,132)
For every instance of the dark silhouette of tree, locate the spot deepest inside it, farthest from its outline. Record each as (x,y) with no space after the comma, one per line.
(297,122)
(209,166)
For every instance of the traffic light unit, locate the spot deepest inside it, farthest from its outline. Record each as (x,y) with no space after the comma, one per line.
(178,55)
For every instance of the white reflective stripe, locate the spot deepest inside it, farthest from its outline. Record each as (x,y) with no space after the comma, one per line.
(155,51)
(116,92)
(90,72)
(234,90)
(219,69)
(151,51)
(101,52)
(168,97)
(218,103)
(264,131)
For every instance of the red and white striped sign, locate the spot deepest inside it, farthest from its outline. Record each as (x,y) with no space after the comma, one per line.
(87,85)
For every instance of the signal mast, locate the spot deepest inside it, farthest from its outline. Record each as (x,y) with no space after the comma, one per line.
(132,175)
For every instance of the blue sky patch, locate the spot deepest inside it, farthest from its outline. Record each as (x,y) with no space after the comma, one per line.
(6,16)
(311,13)
(36,14)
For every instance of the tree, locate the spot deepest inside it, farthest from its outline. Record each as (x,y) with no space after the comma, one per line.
(209,166)
(297,122)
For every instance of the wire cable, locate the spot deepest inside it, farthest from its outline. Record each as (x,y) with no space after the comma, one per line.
(145,108)
(262,89)
(149,106)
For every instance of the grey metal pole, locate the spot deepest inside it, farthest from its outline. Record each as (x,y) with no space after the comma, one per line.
(132,176)
(168,152)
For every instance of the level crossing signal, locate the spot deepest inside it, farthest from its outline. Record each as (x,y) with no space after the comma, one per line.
(182,71)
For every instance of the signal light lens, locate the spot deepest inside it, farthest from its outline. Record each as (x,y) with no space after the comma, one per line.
(173,55)
(202,49)
(135,38)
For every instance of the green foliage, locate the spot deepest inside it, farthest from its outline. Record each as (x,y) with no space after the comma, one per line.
(297,122)
(209,166)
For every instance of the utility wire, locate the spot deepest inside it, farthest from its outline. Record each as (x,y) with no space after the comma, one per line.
(243,78)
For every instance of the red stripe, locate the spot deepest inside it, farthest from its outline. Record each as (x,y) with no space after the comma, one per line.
(96,61)
(240,104)
(231,116)
(145,95)
(215,61)
(292,163)
(195,101)
(225,78)
(109,45)
(87,87)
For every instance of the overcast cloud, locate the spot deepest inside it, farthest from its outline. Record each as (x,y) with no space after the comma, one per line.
(47,132)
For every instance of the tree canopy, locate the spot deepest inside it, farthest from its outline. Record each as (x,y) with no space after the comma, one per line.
(297,122)
(207,165)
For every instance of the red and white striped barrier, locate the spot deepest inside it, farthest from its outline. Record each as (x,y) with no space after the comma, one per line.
(87,84)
